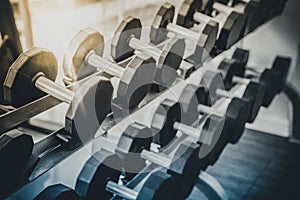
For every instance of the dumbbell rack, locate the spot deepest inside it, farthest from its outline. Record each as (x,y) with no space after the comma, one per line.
(75,156)
(61,158)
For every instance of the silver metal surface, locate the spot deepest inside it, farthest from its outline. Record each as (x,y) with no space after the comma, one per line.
(194,36)
(161,160)
(148,49)
(121,191)
(105,65)
(53,89)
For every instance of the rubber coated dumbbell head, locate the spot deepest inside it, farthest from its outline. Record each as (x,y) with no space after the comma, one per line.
(231,31)
(89,107)
(213,140)
(189,7)
(230,68)
(58,192)
(169,60)
(164,16)
(85,41)
(19,86)
(159,185)
(185,167)
(254,93)
(241,56)
(129,28)
(100,168)
(134,139)
(8,54)
(166,114)
(282,65)
(189,100)
(237,115)
(15,152)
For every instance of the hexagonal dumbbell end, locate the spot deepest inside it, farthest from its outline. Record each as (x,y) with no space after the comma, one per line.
(100,168)
(15,152)
(18,85)
(74,63)
(237,113)
(134,139)
(89,107)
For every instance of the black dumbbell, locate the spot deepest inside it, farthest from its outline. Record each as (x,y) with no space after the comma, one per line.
(99,178)
(273,79)
(58,192)
(235,111)
(163,25)
(127,39)
(32,75)
(15,152)
(254,92)
(231,23)
(8,54)
(86,49)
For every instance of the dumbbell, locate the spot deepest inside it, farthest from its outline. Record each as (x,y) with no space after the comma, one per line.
(231,23)
(127,39)
(58,192)
(32,75)
(236,116)
(273,79)
(254,92)
(99,178)
(163,24)
(134,81)
(15,152)
(255,9)
(8,54)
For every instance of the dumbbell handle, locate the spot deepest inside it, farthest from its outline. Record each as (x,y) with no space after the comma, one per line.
(208,110)
(121,190)
(183,31)
(49,87)
(188,130)
(105,65)
(240,80)
(161,160)
(148,49)
(224,8)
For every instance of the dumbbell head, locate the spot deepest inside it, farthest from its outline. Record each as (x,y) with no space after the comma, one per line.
(230,68)
(237,115)
(15,152)
(282,65)
(89,107)
(58,192)
(189,8)
(254,93)
(74,64)
(211,81)
(19,86)
(166,114)
(100,168)
(133,85)
(187,11)
(129,28)
(158,185)
(231,31)
(189,100)
(8,54)
(213,140)
(164,16)
(185,167)
(242,57)
(134,139)
(171,55)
